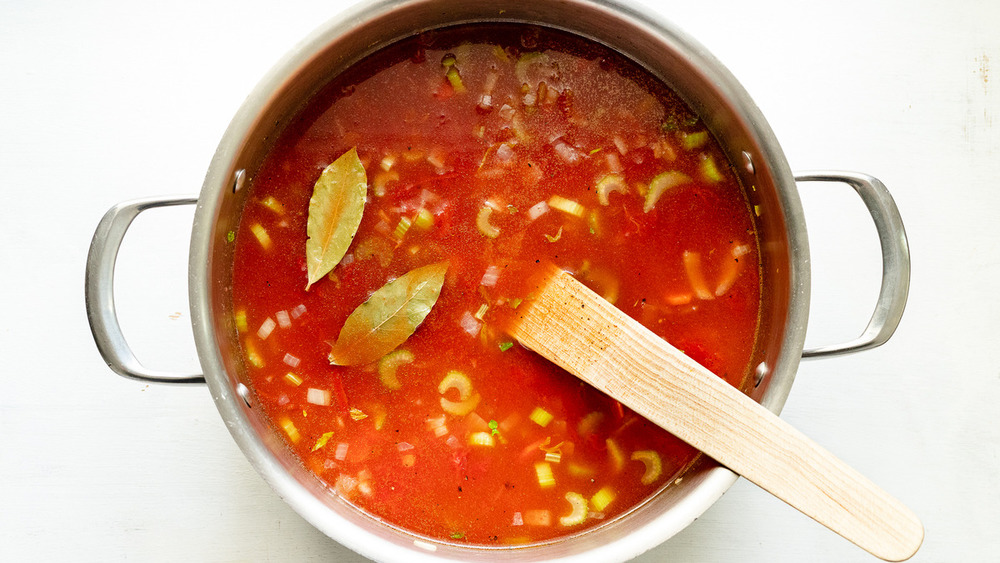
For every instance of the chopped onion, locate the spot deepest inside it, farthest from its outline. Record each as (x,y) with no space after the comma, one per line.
(537,210)
(404,446)
(614,164)
(620,144)
(692,265)
(469,324)
(518,520)
(341,452)
(298,310)
(318,396)
(291,360)
(569,154)
(504,152)
(506,112)
(491,276)
(454,442)
(283,320)
(266,328)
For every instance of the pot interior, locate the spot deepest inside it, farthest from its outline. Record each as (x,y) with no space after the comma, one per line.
(682,64)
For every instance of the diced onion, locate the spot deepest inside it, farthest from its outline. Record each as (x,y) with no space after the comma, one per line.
(491,276)
(537,518)
(537,210)
(298,310)
(284,321)
(340,454)
(318,396)
(566,152)
(517,520)
(579,513)
(266,328)
(404,446)
(291,360)
(469,324)
(504,152)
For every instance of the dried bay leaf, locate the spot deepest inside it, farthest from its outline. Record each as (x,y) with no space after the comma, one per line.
(335,209)
(389,316)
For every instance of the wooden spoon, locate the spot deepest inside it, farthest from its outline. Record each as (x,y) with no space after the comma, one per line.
(575,328)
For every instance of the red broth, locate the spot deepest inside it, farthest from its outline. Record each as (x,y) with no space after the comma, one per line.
(537,127)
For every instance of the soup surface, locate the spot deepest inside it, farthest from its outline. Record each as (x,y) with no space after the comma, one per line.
(486,148)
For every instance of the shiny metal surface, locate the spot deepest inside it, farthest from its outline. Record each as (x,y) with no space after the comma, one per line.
(99,290)
(895,261)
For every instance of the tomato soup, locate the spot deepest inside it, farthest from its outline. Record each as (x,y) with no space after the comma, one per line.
(481,149)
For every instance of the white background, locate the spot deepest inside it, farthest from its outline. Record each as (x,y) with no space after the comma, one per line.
(107,101)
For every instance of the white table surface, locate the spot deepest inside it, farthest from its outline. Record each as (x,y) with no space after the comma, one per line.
(107,101)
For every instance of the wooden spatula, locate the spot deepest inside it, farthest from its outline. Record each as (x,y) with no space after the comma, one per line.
(575,328)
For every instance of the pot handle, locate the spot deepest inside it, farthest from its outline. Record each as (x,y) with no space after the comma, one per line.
(895,261)
(100,295)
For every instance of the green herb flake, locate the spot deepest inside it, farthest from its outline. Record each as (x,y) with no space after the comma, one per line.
(504,346)
(457,536)
(231,236)
(493,428)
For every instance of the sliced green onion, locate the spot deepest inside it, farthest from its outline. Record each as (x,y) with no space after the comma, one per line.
(609,184)
(579,513)
(389,365)
(504,346)
(654,466)
(481,311)
(661,183)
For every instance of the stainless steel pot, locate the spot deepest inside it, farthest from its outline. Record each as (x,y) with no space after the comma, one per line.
(708,87)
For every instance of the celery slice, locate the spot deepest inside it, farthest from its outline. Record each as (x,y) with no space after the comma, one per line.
(483,223)
(609,184)
(579,513)
(661,183)
(654,466)
(389,365)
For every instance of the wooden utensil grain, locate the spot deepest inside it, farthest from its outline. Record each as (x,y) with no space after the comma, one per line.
(572,326)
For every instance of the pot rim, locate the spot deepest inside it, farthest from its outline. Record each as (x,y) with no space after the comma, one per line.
(204,290)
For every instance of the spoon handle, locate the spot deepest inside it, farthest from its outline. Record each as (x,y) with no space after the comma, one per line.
(575,328)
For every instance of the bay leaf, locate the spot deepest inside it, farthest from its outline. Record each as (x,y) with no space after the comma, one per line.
(389,316)
(335,209)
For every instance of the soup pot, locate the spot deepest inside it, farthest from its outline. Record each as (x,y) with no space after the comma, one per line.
(713,93)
